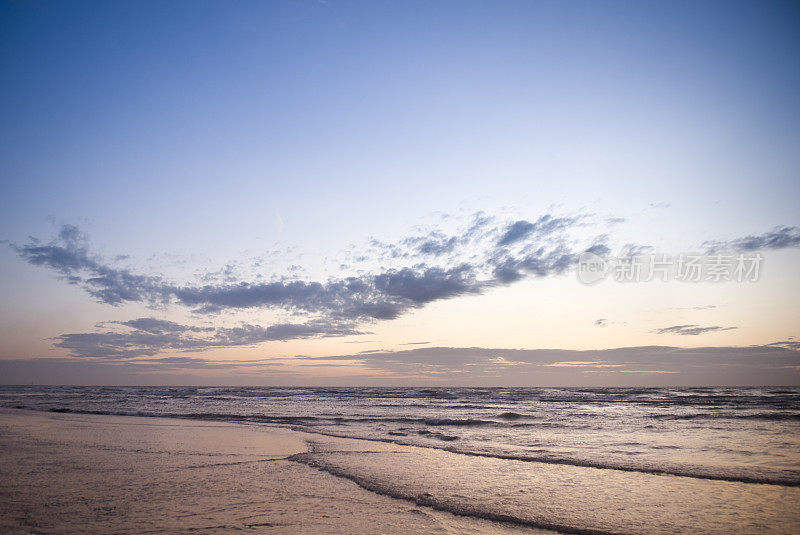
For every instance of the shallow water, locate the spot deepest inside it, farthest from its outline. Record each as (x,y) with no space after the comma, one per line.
(737,434)
(564,498)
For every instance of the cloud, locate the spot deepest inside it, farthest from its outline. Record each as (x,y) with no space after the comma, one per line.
(469,262)
(649,371)
(774,364)
(778,238)
(157,326)
(69,256)
(516,232)
(691,330)
(146,371)
(484,255)
(791,343)
(146,337)
(430,284)
(630,250)
(583,364)
(194,363)
(557,367)
(545,225)
(601,322)
(435,244)
(541,262)
(415,271)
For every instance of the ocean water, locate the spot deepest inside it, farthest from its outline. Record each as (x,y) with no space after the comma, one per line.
(582,460)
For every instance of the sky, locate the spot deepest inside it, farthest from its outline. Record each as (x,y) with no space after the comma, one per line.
(400,193)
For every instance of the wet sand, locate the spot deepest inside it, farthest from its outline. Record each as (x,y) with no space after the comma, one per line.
(66,473)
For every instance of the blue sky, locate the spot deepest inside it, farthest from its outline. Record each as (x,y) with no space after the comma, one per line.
(281,138)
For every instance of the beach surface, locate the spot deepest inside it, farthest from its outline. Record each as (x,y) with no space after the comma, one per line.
(67,473)
(86,473)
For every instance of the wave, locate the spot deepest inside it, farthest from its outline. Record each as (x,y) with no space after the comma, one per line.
(223,417)
(427,500)
(776,416)
(763,400)
(671,471)
(433,422)
(440,436)
(454,421)
(260,418)
(792,480)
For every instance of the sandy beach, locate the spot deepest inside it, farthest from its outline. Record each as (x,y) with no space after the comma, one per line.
(86,473)
(65,473)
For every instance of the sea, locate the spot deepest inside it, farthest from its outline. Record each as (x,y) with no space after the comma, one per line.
(734,445)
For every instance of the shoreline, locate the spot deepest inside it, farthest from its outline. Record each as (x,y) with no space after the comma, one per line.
(246,420)
(85,473)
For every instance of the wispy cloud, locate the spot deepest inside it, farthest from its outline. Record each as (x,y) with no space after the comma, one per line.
(150,336)
(583,364)
(650,371)
(778,238)
(691,330)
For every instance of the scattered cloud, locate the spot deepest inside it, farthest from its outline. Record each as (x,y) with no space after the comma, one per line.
(778,238)
(144,337)
(605,322)
(387,280)
(691,330)
(630,250)
(469,262)
(516,232)
(545,225)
